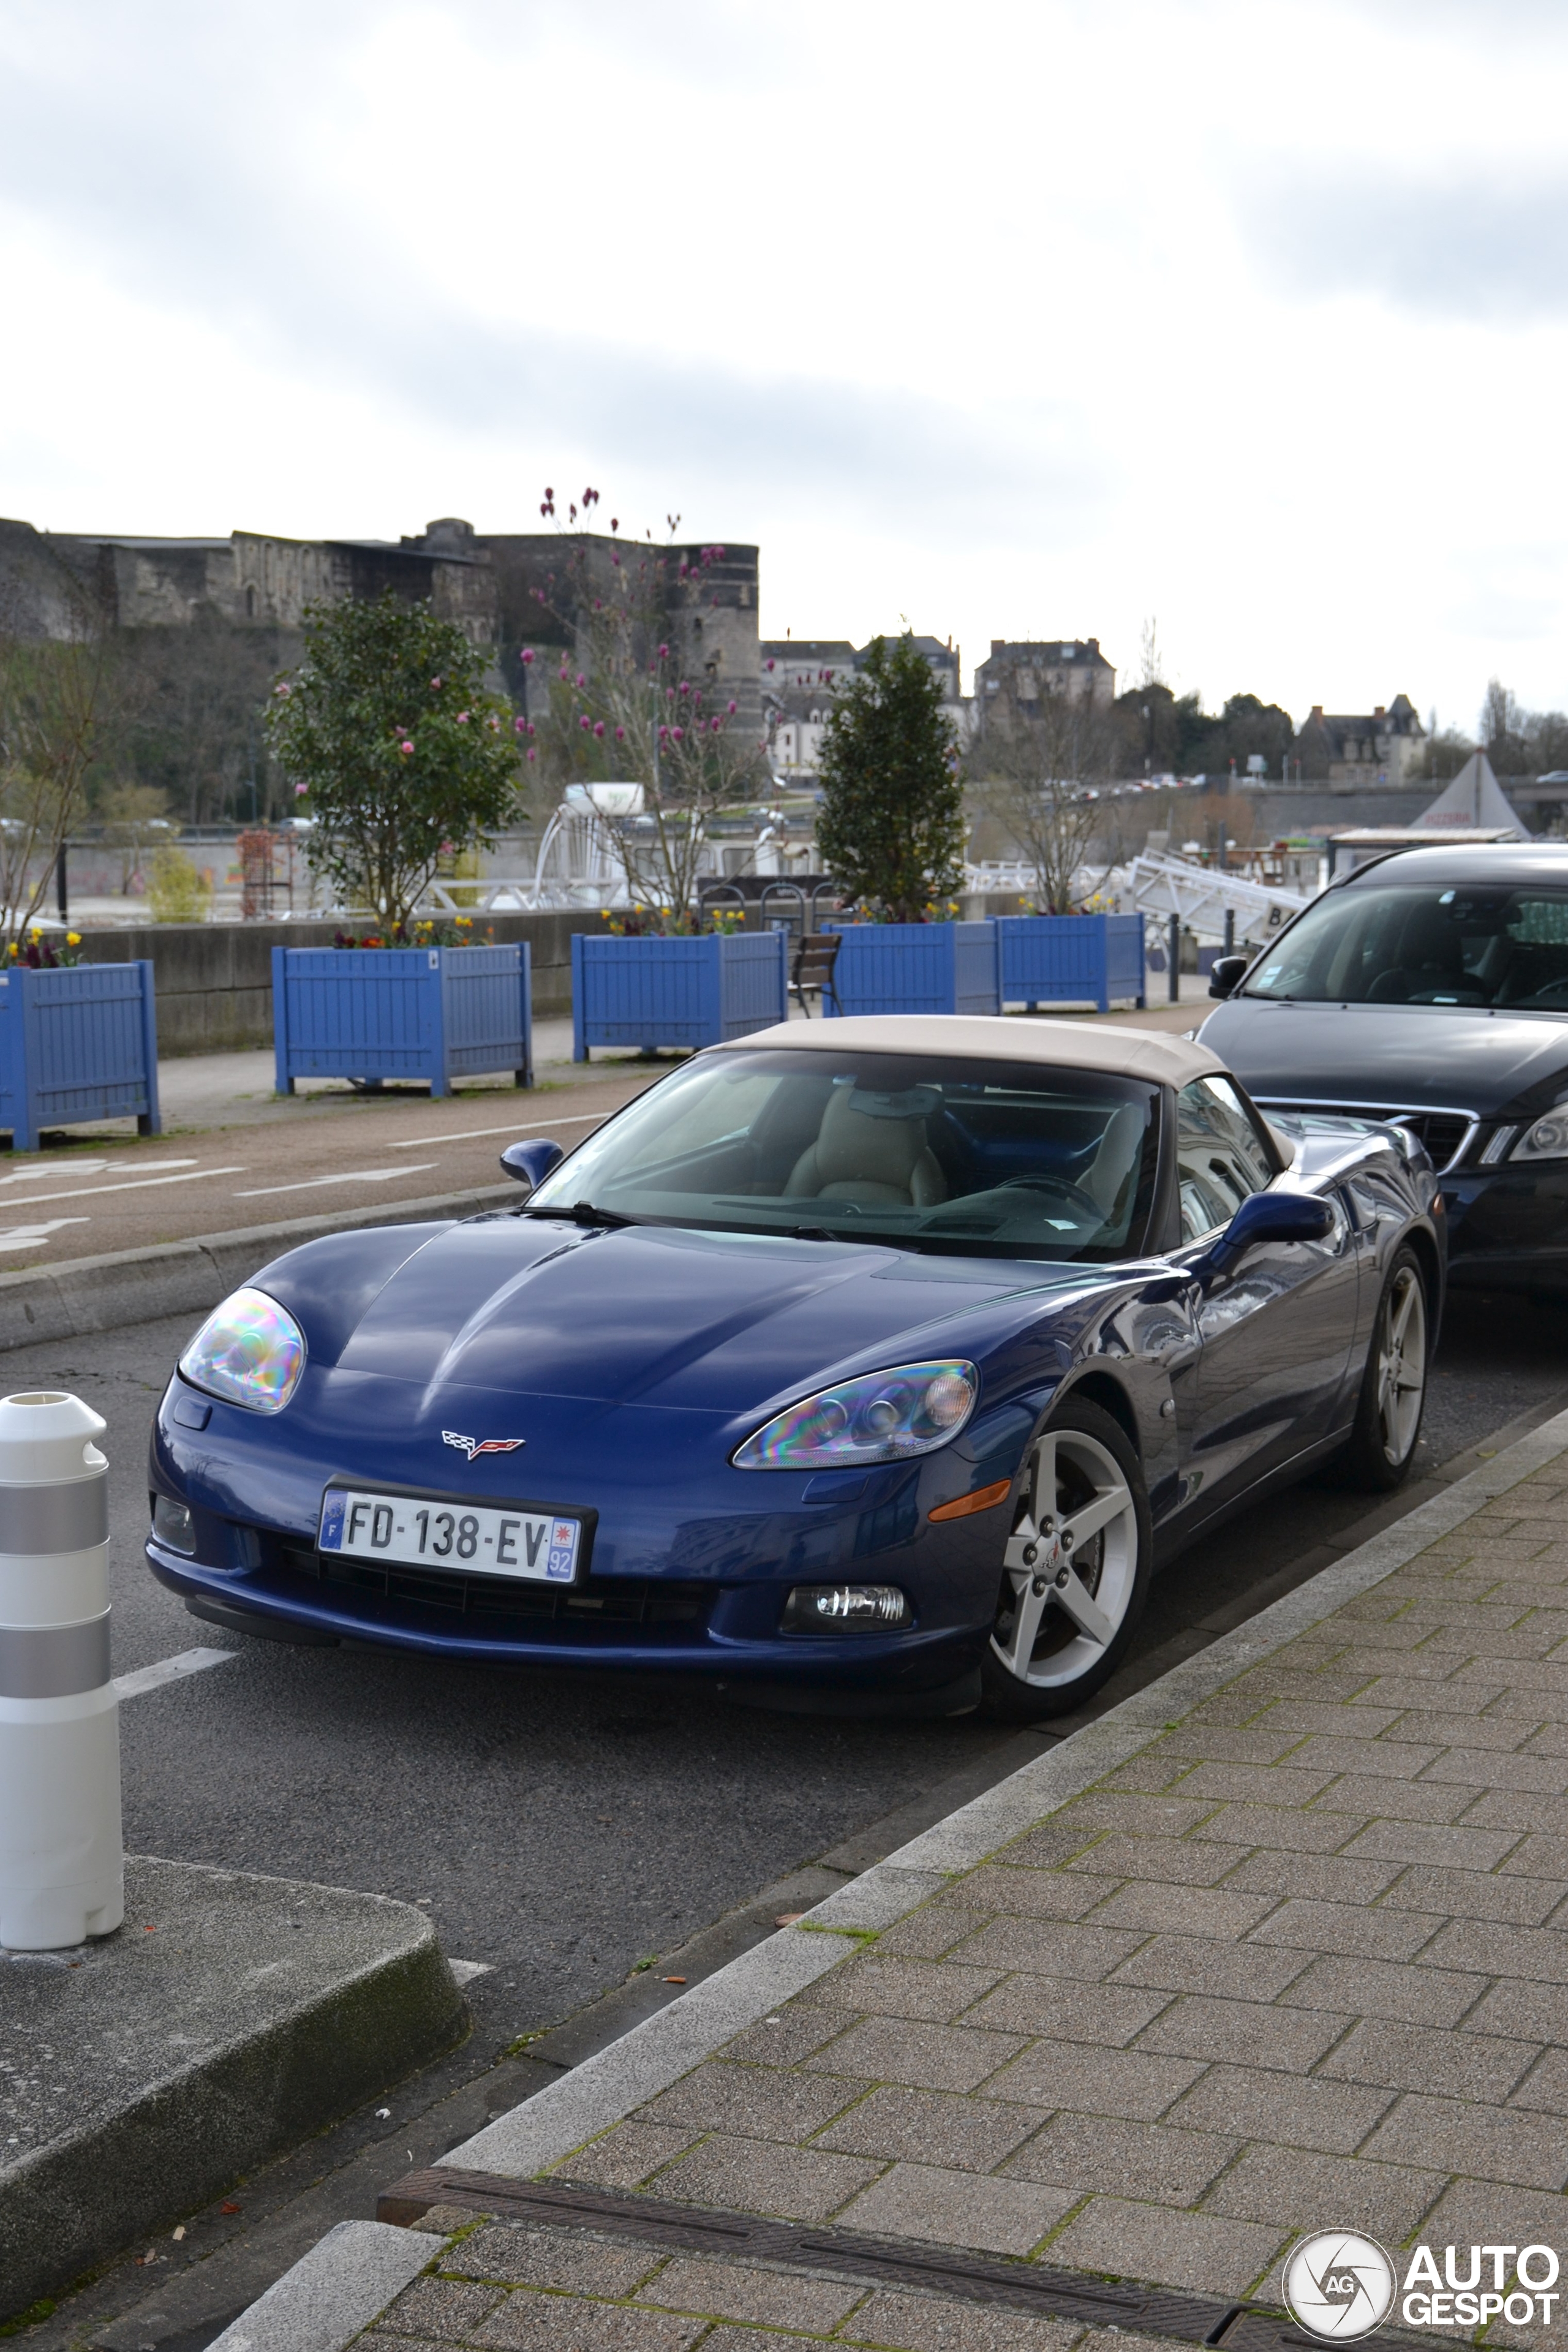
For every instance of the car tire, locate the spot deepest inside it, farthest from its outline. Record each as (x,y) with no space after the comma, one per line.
(1393,1399)
(1059,1633)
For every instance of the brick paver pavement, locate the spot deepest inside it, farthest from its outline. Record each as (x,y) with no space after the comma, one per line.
(1300,1963)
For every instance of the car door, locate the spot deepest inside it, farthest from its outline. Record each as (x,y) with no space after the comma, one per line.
(1276,1328)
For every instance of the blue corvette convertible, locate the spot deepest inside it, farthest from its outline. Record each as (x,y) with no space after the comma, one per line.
(866,1363)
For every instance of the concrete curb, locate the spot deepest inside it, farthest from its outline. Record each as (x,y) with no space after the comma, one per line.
(594,2097)
(331,2293)
(188,1278)
(231,2017)
(566,2113)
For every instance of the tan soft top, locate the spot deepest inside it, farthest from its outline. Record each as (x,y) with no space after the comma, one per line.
(1120,1052)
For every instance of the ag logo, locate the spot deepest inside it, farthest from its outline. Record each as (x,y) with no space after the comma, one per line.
(1339,2285)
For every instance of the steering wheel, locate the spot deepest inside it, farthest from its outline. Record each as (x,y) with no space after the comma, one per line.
(1555,993)
(1085,1203)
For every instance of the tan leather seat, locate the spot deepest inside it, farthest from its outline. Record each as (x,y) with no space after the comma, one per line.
(1117,1160)
(869,1158)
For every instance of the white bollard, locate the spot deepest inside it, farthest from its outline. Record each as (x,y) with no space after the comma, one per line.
(62,1865)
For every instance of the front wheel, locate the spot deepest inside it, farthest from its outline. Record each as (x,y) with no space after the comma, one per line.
(1393,1399)
(1075,1571)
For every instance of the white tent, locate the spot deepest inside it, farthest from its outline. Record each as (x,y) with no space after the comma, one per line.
(1474,799)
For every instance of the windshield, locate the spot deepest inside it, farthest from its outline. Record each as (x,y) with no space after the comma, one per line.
(1387,945)
(1003,1159)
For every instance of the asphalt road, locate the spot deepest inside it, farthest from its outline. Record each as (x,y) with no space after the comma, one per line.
(86,1193)
(559,1829)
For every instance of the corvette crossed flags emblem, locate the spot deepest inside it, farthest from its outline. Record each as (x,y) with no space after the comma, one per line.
(475,1446)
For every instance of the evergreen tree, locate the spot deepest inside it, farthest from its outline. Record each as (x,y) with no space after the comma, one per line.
(891,828)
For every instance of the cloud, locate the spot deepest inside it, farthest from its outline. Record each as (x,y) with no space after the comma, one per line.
(1490,250)
(248,219)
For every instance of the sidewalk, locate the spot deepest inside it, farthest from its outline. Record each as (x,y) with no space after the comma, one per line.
(1268,1949)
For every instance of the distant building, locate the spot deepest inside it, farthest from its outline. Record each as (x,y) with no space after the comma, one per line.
(1380,746)
(801,675)
(248,578)
(484,582)
(1031,668)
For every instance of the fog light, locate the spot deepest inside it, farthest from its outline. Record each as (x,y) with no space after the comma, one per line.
(846,1607)
(172,1524)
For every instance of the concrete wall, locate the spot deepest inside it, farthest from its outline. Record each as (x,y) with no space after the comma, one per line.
(1279,809)
(214,980)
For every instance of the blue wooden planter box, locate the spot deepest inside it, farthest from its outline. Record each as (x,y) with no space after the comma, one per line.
(654,993)
(374,1013)
(1071,958)
(914,968)
(78,1044)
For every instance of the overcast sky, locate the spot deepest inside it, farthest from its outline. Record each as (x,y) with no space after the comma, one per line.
(1011,320)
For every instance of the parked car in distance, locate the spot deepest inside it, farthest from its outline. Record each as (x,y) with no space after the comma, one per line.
(1430,990)
(863,1363)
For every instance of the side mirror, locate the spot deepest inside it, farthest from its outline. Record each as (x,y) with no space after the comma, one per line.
(532,1162)
(1268,1217)
(1225,975)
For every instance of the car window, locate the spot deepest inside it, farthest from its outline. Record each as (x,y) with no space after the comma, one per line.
(1220,1157)
(939,1152)
(1485,947)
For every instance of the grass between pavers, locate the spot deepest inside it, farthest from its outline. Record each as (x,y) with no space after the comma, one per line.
(542,2290)
(1289,1966)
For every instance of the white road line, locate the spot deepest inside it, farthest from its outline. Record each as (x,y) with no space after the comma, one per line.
(345,1176)
(15,1238)
(108,1191)
(86,1168)
(466,1970)
(513,1127)
(169,1670)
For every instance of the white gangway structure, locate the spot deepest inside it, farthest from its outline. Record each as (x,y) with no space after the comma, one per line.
(1160,884)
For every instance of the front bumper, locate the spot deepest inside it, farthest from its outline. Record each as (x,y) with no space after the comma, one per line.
(686,1575)
(1508,1228)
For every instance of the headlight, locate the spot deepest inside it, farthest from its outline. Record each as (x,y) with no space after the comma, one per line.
(1547,1139)
(882,1417)
(250,1351)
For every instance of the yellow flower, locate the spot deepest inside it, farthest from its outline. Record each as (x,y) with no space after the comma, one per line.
(73,939)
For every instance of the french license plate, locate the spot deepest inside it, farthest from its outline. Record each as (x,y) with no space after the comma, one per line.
(473,1540)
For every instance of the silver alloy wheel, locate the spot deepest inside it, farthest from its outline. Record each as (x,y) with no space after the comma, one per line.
(1070,1565)
(1401,1346)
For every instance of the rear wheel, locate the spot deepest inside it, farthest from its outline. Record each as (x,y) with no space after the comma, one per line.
(1075,1570)
(1394,1386)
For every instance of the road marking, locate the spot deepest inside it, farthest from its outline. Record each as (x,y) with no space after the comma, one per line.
(86,1168)
(466,1970)
(346,1176)
(108,1191)
(513,1127)
(16,1237)
(169,1670)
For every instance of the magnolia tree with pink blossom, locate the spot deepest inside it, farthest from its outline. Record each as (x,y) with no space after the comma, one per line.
(620,706)
(395,748)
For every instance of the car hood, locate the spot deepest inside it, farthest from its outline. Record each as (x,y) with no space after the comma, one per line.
(649,1315)
(1419,1057)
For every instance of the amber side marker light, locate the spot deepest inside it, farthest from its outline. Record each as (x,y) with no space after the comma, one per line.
(984,1499)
